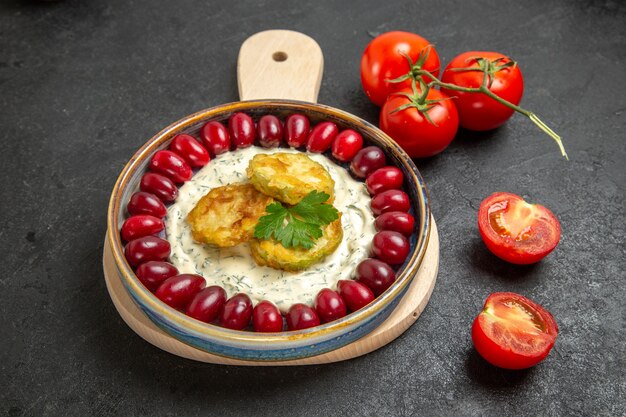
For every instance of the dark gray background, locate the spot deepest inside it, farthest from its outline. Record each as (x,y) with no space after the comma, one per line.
(84,83)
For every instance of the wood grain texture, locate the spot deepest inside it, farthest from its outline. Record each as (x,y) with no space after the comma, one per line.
(280,64)
(407,312)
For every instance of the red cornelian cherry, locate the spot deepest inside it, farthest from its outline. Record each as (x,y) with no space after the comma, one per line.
(190,149)
(329,305)
(159,185)
(237,312)
(397,221)
(215,137)
(355,294)
(241,129)
(297,127)
(269,131)
(140,226)
(346,145)
(178,291)
(147,248)
(266,318)
(301,316)
(321,137)
(376,274)
(146,203)
(383,179)
(207,304)
(367,160)
(390,200)
(171,165)
(391,247)
(153,273)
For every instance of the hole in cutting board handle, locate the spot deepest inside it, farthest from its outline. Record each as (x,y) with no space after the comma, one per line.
(279,56)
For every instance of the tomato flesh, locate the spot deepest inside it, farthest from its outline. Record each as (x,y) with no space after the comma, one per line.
(516,231)
(513,332)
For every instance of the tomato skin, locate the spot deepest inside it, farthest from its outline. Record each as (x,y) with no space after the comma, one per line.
(190,150)
(215,137)
(297,127)
(412,131)
(270,131)
(207,304)
(237,312)
(241,129)
(346,145)
(159,185)
(141,225)
(171,165)
(397,221)
(178,291)
(266,318)
(476,110)
(383,179)
(540,227)
(502,342)
(146,203)
(383,60)
(321,137)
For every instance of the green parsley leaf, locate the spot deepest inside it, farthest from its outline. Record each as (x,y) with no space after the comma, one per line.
(299,225)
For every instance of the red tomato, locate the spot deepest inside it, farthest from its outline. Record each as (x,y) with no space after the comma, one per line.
(476,110)
(190,149)
(513,332)
(241,129)
(516,231)
(346,145)
(384,60)
(412,130)
(266,318)
(171,165)
(215,137)
(321,137)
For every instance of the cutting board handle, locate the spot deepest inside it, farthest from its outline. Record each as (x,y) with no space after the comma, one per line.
(280,64)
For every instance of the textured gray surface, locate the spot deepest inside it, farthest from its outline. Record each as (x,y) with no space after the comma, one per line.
(84,84)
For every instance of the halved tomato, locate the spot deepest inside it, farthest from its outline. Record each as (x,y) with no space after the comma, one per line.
(513,332)
(516,231)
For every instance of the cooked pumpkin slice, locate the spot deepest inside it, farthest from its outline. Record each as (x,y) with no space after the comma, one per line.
(273,254)
(227,215)
(289,177)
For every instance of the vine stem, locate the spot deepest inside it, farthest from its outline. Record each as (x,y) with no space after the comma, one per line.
(485,90)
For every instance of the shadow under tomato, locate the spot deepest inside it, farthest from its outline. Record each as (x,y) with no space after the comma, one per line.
(482,259)
(490,376)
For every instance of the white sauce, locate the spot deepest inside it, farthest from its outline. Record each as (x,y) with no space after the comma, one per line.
(235,270)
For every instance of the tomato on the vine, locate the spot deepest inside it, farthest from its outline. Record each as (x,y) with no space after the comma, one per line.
(477,111)
(513,332)
(516,231)
(385,59)
(405,117)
